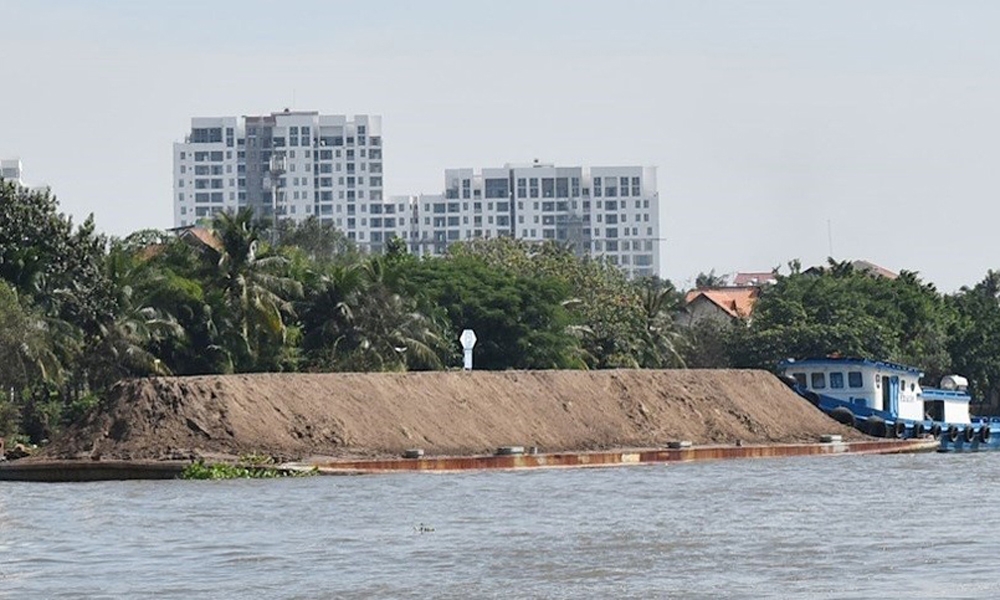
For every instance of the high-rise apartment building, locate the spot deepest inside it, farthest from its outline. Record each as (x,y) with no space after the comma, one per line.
(294,164)
(610,212)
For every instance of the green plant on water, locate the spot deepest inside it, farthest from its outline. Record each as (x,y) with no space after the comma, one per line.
(201,470)
(258,460)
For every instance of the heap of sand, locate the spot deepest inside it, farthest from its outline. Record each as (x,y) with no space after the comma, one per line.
(294,416)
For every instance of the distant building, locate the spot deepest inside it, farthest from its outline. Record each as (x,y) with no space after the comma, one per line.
(297,164)
(722,305)
(608,212)
(11,169)
(758,278)
(872,269)
(860,266)
(329,166)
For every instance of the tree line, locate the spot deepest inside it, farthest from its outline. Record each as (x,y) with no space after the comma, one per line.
(80,311)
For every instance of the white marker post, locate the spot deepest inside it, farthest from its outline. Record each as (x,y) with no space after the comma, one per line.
(468,339)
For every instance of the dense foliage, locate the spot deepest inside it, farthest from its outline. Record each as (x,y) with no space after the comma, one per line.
(246,469)
(79,311)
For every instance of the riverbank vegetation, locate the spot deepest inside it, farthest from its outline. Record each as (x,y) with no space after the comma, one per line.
(79,311)
(252,469)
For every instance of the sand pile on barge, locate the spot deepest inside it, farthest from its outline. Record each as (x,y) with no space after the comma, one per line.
(300,415)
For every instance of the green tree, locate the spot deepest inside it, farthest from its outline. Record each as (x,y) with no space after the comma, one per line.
(355,320)
(661,340)
(606,311)
(841,310)
(252,294)
(709,280)
(521,320)
(320,241)
(975,337)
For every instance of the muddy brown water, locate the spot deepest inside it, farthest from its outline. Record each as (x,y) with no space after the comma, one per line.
(908,526)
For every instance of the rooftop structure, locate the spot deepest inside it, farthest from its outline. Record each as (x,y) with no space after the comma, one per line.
(11,169)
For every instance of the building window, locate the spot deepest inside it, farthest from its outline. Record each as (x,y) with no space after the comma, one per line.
(562,187)
(496,188)
(836,380)
(548,187)
(854,379)
(817,381)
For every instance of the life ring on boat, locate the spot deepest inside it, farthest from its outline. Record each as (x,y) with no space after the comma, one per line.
(952,433)
(918,429)
(970,433)
(936,430)
(984,433)
(899,429)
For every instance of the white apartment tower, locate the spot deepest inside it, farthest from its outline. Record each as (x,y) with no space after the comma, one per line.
(610,212)
(296,163)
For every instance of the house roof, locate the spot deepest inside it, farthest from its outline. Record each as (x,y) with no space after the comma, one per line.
(860,266)
(205,237)
(737,302)
(754,278)
(870,267)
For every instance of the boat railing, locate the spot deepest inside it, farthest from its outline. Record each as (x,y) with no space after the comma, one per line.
(940,394)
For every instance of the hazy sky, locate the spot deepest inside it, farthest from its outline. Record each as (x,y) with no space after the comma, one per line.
(772,123)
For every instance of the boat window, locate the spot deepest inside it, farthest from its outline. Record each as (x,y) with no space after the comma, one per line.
(818,381)
(837,380)
(800,378)
(854,379)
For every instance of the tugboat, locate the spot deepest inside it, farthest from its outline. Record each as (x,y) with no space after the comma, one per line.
(885,399)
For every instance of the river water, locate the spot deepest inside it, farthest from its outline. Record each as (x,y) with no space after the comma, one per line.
(916,526)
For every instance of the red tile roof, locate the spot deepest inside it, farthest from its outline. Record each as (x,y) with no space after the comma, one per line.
(204,236)
(736,301)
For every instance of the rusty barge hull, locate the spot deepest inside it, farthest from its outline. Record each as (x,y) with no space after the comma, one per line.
(84,470)
(89,470)
(616,457)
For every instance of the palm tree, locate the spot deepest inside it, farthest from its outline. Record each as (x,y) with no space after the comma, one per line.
(355,321)
(28,352)
(255,295)
(124,338)
(660,304)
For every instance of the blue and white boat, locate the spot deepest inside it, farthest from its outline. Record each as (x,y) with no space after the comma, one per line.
(886,400)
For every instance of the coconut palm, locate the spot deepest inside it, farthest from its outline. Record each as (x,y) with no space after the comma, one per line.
(355,321)
(660,303)
(255,296)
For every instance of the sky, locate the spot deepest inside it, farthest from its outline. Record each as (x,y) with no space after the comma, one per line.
(780,130)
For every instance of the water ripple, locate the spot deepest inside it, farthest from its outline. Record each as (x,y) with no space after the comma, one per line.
(837,528)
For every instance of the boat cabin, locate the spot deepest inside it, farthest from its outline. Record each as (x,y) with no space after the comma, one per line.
(882,386)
